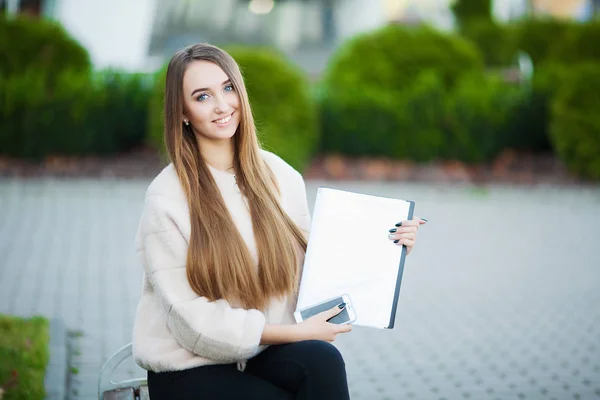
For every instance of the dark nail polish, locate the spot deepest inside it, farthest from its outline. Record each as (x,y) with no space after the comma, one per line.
(396,241)
(399,224)
(425,219)
(341,305)
(392,230)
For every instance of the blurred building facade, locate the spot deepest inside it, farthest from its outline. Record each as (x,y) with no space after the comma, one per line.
(581,10)
(140,35)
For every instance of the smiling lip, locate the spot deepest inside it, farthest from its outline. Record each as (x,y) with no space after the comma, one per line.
(224,121)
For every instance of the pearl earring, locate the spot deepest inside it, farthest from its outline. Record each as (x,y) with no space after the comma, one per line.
(186,122)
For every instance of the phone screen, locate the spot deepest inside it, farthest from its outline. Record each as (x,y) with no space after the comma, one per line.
(341,318)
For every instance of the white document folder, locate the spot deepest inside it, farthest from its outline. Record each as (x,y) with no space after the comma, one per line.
(349,252)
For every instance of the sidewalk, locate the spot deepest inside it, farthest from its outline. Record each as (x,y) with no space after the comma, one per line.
(499,299)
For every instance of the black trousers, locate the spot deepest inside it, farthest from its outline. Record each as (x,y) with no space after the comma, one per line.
(310,369)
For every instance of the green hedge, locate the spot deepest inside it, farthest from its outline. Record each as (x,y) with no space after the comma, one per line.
(362,120)
(284,111)
(539,37)
(51,103)
(38,44)
(575,122)
(496,42)
(156,113)
(23,351)
(581,43)
(480,118)
(71,113)
(472,121)
(468,10)
(384,92)
(392,57)
(531,119)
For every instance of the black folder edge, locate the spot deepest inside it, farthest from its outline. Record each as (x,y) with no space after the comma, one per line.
(400,272)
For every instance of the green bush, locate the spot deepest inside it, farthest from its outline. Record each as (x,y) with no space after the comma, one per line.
(480,118)
(384,92)
(539,37)
(575,122)
(122,120)
(530,121)
(471,122)
(467,10)
(497,43)
(156,113)
(72,113)
(24,355)
(42,45)
(392,57)
(581,43)
(283,109)
(361,120)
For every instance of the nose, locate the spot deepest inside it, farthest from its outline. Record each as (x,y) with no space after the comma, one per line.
(221,105)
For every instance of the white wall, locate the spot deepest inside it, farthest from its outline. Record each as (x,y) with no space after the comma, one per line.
(115,32)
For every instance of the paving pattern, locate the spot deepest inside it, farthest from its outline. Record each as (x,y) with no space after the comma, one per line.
(500,299)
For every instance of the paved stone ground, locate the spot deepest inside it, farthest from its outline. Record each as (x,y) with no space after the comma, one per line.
(500,299)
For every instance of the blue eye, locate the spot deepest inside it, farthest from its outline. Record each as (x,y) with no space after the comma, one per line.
(228,88)
(202,97)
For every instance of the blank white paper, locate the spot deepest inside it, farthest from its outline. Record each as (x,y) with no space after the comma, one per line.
(349,253)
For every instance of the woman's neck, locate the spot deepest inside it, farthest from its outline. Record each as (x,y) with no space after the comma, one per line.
(217,153)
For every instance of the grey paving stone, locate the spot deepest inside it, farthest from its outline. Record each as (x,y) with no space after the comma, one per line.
(499,299)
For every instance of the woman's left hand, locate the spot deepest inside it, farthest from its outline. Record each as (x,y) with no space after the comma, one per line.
(405,233)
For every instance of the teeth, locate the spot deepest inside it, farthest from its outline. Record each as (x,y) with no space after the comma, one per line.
(224,120)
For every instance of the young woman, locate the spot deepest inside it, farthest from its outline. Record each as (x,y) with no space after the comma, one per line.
(222,238)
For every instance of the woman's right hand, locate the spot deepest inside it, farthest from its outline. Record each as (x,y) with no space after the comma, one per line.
(317,327)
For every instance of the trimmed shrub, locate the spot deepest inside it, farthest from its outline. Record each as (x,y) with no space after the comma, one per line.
(156,113)
(42,45)
(581,43)
(480,118)
(24,350)
(123,118)
(575,123)
(283,109)
(72,113)
(497,43)
(530,122)
(538,37)
(384,92)
(363,120)
(41,115)
(467,10)
(392,57)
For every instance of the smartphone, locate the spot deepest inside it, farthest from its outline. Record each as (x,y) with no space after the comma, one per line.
(346,316)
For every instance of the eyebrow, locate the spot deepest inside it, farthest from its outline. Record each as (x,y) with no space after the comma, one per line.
(205,89)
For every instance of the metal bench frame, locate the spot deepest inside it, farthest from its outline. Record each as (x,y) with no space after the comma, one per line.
(109,389)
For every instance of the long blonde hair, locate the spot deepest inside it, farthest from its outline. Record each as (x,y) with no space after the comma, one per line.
(219,264)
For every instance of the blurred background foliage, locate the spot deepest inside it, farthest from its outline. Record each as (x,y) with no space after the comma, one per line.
(403,92)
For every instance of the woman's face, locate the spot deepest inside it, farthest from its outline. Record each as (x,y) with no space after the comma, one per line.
(211,104)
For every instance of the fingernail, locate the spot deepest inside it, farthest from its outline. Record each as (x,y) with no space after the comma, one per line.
(341,305)
(392,230)
(399,224)
(425,219)
(396,241)
(391,236)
